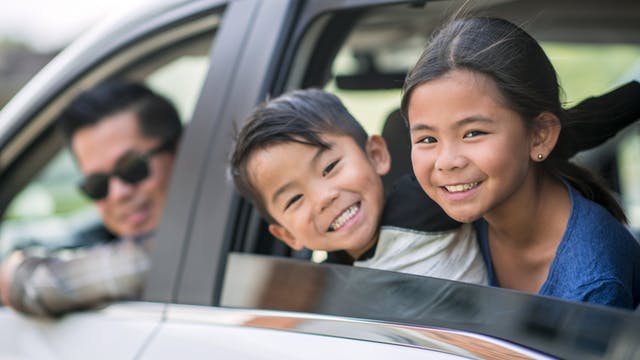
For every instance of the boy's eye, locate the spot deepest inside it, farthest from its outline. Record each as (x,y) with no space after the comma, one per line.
(292,201)
(473,133)
(329,167)
(428,140)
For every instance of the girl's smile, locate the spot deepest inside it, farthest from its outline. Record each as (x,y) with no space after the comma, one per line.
(460,192)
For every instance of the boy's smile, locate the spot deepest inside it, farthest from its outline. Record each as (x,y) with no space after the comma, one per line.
(345,217)
(470,152)
(323,199)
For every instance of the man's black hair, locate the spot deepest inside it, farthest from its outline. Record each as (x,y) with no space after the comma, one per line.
(157,117)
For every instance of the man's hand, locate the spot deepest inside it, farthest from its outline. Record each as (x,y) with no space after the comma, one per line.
(7,270)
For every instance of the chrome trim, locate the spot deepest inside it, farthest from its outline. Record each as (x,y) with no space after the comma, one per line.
(134,310)
(452,342)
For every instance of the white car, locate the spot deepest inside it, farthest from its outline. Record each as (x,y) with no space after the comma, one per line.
(220,286)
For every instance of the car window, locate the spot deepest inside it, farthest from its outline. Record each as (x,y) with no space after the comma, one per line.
(371,49)
(488,321)
(50,209)
(47,208)
(362,55)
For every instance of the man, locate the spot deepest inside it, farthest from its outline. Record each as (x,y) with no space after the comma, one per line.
(124,139)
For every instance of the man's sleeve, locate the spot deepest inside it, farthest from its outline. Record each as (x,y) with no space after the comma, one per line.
(408,206)
(66,281)
(596,119)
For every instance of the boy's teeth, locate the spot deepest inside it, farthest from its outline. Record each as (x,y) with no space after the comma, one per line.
(461,187)
(346,215)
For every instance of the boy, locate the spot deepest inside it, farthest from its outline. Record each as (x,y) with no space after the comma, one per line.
(313,173)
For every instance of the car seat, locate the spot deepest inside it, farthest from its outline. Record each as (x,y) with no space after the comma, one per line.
(396,133)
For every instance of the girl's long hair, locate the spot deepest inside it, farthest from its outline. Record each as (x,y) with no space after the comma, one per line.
(524,77)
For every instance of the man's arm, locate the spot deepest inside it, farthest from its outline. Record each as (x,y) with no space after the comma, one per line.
(596,119)
(66,281)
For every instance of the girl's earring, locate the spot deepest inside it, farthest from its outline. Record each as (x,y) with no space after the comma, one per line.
(540,156)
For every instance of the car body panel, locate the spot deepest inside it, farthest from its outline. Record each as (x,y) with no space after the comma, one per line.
(203,332)
(225,331)
(176,227)
(118,331)
(204,257)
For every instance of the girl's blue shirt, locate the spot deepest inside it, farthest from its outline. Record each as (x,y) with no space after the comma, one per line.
(597,260)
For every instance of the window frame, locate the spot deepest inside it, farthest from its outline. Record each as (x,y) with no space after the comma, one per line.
(35,139)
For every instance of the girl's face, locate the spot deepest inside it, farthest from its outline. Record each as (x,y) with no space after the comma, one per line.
(470,153)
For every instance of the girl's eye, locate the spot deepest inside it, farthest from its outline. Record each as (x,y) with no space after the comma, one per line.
(473,133)
(292,201)
(428,140)
(329,167)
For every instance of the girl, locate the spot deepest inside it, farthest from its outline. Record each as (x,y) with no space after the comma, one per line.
(490,144)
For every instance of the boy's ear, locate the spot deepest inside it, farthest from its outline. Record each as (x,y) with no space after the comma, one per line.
(544,136)
(378,154)
(283,234)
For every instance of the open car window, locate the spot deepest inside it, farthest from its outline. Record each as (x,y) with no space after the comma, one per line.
(50,210)
(362,54)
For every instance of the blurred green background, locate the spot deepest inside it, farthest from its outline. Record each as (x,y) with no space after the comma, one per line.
(583,71)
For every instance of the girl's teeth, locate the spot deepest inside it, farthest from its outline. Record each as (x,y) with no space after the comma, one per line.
(344,217)
(461,187)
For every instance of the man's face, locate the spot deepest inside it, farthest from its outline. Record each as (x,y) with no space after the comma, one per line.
(323,199)
(128,209)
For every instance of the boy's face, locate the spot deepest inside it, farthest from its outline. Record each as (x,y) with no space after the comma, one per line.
(323,199)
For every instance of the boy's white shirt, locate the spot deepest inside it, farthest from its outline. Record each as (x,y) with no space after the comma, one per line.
(453,254)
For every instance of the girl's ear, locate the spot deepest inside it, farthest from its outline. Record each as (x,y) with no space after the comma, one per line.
(283,234)
(544,136)
(378,154)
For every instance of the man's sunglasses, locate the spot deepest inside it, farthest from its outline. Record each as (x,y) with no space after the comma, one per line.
(131,168)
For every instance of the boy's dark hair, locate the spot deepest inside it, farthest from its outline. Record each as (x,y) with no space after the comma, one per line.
(157,117)
(526,80)
(301,116)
